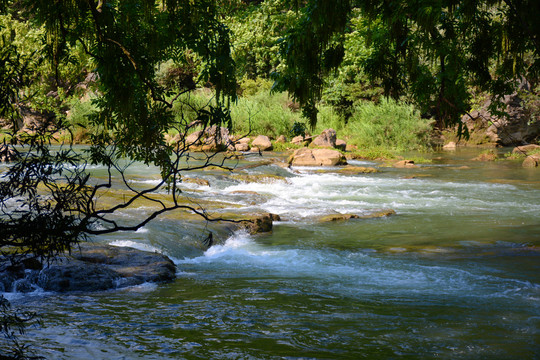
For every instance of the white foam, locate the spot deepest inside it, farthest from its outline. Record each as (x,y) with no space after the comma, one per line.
(135,245)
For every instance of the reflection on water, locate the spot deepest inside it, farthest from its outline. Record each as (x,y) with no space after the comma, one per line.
(454,274)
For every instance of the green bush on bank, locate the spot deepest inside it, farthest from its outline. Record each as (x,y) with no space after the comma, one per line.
(387,125)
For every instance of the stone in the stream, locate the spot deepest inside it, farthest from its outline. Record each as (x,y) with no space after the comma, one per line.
(260,223)
(93,267)
(337,217)
(531,161)
(405,164)
(317,157)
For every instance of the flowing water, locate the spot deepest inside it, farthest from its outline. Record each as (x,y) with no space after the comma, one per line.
(454,274)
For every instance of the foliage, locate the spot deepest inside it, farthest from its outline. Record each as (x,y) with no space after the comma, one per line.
(298,129)
(389,125)
(255,33)
(434,51)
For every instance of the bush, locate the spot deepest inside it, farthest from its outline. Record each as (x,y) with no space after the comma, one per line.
(390,125)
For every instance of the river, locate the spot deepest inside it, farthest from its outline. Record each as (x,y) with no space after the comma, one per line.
(453,275)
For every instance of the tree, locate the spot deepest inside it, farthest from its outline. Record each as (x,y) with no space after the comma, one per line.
(48,198)
(435,51)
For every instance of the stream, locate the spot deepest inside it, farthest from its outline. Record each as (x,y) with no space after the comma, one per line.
(454,274)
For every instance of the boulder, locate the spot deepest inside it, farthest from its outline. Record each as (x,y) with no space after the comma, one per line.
(281,139)
(210,139)
(525,149)
(531,161)
(260,223)
(241,147)
(92,267)
(450,146)
(317,157)
(326,139)
(486,156)
(7,153)
(341,145)
(405,164)
(520,126)
(262,142)
(302,140)
(77,276)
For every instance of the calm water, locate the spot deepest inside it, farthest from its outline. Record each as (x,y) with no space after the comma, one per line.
(455,274)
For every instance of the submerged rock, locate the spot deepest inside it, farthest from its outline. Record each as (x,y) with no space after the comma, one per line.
(356,170)
(338,217)
(405,164)
(379,214)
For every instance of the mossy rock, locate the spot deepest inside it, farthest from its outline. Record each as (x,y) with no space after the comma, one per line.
(379,214)
(338,217)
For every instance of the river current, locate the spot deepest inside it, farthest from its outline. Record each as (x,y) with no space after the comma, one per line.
(454,274)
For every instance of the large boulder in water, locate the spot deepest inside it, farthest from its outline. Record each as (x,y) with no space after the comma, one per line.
(93,267)
(317,157)
(531,161)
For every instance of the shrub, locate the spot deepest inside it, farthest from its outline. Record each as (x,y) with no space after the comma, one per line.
(390,125)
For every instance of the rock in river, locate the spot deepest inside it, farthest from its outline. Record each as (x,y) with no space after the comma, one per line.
(96,267)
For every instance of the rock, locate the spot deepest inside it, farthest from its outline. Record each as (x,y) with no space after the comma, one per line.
(262,142)
(302,140)
(198,181)
(7,153)
(281,139)
(525,149)
(326,139)
(486,156)
(260,223)
(77,276)
(520,126)
(241,147)
(338,217)
(194,138)
(92,267)
(172,140)
(341,145)
(405,164)
(450,146)
(210,139)
(317,157)
(244,140)
(531,161)
(378,214)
